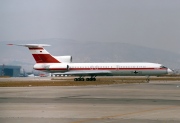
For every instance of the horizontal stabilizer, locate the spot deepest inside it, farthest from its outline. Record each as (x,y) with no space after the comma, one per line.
(31,45)
(39,53)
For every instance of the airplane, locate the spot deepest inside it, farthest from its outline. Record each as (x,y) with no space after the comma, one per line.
(63,65)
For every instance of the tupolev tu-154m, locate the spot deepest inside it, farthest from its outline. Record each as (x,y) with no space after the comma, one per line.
(63,65)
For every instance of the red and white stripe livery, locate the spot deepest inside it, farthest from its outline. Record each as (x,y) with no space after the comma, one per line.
(63,65)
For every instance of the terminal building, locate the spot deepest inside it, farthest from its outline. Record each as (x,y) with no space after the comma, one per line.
(10,70)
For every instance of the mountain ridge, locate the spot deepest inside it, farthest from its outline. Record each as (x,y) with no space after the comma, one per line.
(89,52)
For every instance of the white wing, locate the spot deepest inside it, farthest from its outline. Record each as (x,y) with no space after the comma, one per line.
(86,73)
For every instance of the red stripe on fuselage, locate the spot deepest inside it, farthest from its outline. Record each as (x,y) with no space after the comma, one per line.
(55,69)
(119,69)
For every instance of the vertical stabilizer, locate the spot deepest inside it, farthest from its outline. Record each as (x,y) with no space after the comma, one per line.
(39,53)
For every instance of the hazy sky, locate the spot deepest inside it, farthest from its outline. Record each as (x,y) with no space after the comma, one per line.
(151,23)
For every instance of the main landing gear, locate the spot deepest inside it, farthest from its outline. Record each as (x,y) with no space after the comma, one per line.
(87,79)
(78,79)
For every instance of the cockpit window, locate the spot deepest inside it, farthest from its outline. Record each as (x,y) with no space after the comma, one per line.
(163,66)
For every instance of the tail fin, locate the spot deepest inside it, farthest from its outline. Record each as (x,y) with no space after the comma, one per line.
(39,53)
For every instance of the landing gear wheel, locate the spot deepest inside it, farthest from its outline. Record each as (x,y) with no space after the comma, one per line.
(78,79)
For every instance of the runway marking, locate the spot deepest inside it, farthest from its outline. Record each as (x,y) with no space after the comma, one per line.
(125,114)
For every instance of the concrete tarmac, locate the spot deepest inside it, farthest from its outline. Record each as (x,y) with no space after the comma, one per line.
(154,102)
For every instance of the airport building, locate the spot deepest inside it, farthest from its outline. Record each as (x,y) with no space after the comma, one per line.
(10,70)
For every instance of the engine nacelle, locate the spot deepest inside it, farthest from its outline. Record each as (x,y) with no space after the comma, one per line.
(62,67)
(64,59)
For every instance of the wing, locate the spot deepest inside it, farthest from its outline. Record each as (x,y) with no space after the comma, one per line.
(86,73)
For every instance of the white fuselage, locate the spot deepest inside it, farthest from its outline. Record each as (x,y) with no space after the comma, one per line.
(63,65)
(124,69)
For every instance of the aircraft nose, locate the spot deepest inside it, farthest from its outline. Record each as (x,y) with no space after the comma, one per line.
(169,71)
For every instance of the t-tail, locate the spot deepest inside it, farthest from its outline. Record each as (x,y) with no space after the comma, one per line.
(39,53)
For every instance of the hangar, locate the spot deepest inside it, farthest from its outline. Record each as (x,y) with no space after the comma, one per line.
(10,70)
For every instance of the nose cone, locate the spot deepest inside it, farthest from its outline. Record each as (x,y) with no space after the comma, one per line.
(169,71)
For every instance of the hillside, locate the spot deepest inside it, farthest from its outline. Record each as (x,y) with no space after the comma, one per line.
(89,52)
